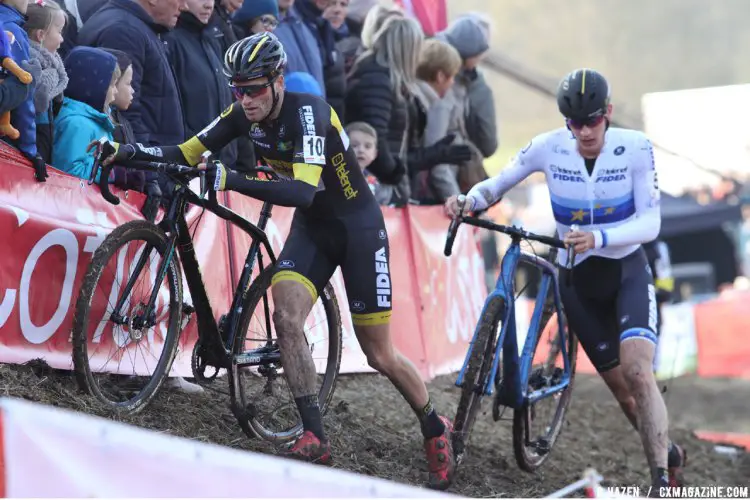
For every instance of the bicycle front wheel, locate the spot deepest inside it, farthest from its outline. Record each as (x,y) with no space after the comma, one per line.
(534,434)
(260,392)
(122,352)
(475,376)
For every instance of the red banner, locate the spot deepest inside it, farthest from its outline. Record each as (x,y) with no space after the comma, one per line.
(53,229)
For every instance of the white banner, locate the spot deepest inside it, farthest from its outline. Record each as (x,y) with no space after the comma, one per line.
(57,453)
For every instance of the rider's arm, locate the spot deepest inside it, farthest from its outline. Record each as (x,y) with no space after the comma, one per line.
(311,151)
(298,192)
(226,127)
(524,164)
(646,224)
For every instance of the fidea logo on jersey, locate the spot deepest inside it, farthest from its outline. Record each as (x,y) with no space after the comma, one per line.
(308,120)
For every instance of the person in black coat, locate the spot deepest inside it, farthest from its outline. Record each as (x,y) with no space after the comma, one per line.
(195,54)
(334,75)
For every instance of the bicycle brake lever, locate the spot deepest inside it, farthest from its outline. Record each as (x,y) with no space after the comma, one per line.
(571,259)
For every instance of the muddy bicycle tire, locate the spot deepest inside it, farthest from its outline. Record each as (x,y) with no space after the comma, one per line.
(138,230)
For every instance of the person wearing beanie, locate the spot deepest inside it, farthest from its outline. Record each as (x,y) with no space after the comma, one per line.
(84,115)
(469,35)
(256,16)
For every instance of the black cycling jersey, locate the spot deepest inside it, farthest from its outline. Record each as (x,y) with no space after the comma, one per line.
(338,222)
(306,145)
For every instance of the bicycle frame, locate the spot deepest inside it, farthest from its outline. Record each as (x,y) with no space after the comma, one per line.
(176,227)
(516,368)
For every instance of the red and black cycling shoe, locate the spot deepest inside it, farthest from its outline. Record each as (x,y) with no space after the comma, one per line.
(676,460)
(440,460)
(309,448)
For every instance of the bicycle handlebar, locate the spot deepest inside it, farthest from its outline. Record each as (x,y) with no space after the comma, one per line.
(512,231)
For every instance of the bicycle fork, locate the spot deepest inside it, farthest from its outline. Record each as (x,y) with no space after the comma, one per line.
(146,318)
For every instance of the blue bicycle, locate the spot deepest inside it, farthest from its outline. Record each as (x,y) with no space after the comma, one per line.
(493,365)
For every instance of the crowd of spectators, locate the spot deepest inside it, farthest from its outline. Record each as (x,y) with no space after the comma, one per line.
(150,71)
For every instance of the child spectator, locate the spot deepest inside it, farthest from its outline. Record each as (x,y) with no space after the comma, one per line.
(364,141)
(13,18)
(84,116)
(123,133)
(138,180)
(45,21)
(256,16)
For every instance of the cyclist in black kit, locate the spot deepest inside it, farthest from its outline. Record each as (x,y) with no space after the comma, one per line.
(337,223)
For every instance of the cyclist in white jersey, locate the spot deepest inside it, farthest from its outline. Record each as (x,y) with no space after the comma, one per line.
(602,180)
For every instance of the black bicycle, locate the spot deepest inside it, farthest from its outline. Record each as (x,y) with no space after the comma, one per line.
(150,315)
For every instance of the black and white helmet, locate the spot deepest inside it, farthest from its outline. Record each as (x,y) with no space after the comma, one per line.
(256,56)
(583,94)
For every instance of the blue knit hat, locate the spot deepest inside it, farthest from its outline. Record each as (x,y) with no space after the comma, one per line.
(299,81)
(253,9)
(90,73)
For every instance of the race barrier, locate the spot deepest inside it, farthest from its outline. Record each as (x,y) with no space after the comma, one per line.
(50,231)
(82,456)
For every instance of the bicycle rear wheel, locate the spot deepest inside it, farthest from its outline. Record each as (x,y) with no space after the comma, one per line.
(547,370)
(475,376)
(255,390)
(132,252)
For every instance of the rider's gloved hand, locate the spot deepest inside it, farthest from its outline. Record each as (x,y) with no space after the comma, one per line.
(117,152)
(216,174)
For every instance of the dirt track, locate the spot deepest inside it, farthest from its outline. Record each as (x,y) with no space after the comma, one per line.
(365,438)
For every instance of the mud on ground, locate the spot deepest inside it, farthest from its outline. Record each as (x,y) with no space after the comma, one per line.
(373,432)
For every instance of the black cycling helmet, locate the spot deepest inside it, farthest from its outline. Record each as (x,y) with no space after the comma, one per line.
(256,56)
(583,94)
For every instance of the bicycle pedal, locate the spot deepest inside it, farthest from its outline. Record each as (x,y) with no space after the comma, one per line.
(246,414)
(542,446)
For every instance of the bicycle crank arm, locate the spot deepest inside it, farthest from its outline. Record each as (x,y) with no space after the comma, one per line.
(256,357)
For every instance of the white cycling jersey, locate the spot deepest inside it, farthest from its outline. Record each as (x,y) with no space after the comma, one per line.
(618,202)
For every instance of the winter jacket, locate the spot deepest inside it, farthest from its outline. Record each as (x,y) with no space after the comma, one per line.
(194,49)
(82,118)
(334,76)
(76,126)
(23,117)
(471,93)
(371,99)
(49,88)
(301,46)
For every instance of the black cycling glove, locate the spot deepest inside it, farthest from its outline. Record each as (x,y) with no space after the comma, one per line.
(216,175)
(395,175)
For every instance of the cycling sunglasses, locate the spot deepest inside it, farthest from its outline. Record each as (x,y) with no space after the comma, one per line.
(249,90)
(590,122)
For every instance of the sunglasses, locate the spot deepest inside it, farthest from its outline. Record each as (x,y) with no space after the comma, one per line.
(590,122)
(249,90)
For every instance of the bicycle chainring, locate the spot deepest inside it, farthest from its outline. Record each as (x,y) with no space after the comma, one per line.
(200,363)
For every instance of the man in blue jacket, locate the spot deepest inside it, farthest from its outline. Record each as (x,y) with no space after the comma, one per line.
(134,27)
